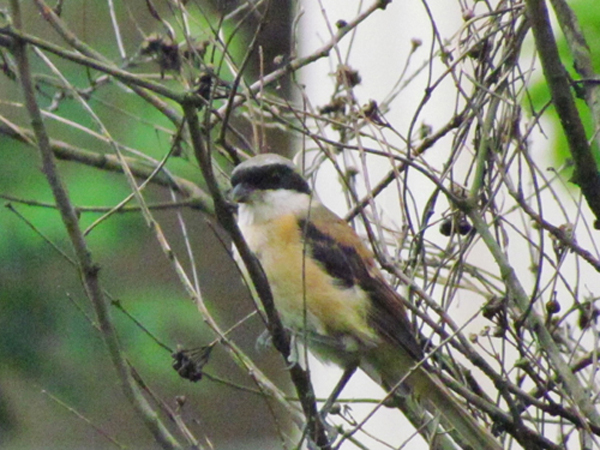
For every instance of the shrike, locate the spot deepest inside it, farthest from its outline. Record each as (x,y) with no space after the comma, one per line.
(329,292)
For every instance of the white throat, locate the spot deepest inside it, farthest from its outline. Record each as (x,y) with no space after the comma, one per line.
(269,205)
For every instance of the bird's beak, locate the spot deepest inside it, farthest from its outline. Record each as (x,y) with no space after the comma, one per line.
(241,193)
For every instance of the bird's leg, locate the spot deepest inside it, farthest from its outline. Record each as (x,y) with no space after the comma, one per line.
(348,372)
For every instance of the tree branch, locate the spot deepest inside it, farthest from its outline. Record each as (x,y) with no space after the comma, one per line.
(87,267)
(67,152)
(281,340)
(581,55)
(519,297)
(586,174)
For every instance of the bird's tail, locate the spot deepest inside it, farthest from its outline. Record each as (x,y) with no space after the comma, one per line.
(429,392)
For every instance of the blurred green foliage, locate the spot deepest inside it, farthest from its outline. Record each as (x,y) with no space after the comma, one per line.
(48,339)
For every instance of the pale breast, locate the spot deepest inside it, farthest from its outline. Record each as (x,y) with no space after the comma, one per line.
(306,297)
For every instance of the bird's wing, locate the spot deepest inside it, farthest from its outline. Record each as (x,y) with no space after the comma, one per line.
(334,244)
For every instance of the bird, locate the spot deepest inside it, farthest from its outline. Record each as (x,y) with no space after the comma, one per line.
(330,293)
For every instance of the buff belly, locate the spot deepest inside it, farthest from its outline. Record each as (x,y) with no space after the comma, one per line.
(332,319)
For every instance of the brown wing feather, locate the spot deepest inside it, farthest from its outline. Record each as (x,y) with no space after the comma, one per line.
(333,243)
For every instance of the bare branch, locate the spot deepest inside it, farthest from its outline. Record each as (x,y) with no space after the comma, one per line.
(586,174)
(88,269)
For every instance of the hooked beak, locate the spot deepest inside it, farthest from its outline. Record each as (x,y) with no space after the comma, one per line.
(241,193)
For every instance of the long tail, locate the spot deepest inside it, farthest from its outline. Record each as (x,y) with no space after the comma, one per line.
(389,367)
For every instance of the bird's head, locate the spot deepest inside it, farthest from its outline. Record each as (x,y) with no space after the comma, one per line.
(268,186)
